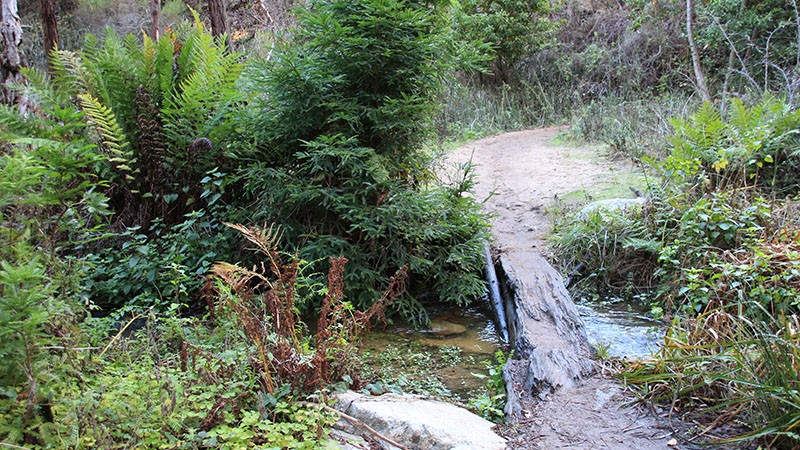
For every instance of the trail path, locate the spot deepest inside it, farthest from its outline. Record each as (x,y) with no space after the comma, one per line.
(526,174)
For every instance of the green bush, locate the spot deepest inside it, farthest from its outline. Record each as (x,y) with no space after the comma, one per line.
(175,383)
(512,28)
(339,117)
(167,267)
(749,145)
(50,206)
(157,113)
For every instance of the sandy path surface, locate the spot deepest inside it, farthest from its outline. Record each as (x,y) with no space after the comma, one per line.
(521,174)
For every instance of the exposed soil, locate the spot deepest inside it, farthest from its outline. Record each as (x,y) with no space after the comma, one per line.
(520,175)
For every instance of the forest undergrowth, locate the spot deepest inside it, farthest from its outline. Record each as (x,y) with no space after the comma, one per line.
(119,325)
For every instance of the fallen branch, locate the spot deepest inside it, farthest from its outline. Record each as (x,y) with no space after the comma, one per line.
(117,336)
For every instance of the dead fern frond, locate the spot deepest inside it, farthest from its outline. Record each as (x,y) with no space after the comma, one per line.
(263,302)
(239,278)
(265,239)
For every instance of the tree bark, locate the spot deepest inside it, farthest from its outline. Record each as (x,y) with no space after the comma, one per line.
(50,27)
(12,60)
(702,88)
(219,20)
(155,15)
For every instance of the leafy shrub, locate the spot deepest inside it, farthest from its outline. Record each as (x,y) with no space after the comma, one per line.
(50,206)
(728,265)
(512,28)
(339,117)
(175,383)
(749,146)
(158,270)
(490,404)
(156,112)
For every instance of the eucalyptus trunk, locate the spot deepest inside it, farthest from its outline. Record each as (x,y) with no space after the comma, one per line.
(155,15)
(11,57)
(702,88)
(50,26)
(219,20)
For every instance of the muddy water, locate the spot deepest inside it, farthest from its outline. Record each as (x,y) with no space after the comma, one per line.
(455,351)
(620,329)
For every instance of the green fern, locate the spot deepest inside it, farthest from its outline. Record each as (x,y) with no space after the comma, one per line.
(113,139)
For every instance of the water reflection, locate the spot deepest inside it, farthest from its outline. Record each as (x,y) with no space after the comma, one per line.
(455,350)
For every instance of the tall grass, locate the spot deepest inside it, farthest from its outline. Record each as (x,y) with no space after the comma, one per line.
(472,110)
(633,128)
(729,368)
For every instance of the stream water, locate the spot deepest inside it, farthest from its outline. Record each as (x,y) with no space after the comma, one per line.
(620,329)
(451,358)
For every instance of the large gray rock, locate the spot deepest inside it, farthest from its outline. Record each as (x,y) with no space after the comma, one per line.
(418,423)
(552,350)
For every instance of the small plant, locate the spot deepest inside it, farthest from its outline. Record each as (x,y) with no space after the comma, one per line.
(450,354)
(490,404)
(405,368)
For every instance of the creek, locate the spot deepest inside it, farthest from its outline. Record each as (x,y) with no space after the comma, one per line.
(449,359)
(619,328)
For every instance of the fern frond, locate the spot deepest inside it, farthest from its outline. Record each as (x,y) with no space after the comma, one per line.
(69,73)
(113,139)
(34,142)
(265,239)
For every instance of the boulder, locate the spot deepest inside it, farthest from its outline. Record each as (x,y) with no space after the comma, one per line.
(418,423)
(611,205)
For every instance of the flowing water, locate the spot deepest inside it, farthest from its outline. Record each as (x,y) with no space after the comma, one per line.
(620,329)
(451,358)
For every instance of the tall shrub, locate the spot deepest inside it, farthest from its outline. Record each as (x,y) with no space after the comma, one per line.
(338,122)
(156,113)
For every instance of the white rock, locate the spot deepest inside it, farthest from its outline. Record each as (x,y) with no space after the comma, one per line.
(613,205)
(419,423)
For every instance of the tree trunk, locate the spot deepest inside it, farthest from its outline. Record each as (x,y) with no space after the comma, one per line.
(155,14)
(702,89)
(219,22)
(731,61)
(11,57)
(50,27)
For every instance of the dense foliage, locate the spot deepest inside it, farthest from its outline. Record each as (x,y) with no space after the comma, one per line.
(115,185)
(335,130)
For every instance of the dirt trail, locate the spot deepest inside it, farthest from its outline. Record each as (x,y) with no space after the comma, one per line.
(527,173)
